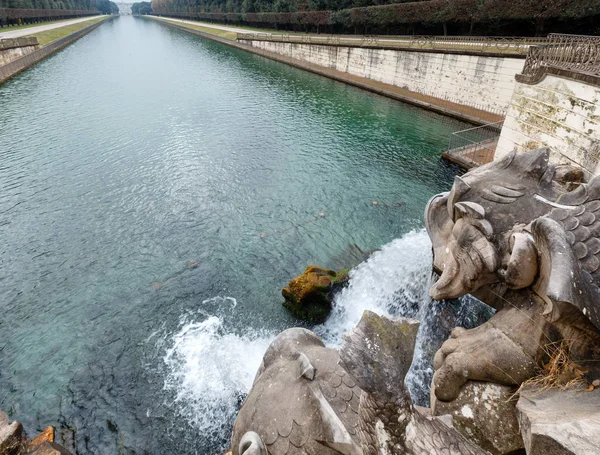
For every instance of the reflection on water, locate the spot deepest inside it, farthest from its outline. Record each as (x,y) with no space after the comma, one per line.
(142,155)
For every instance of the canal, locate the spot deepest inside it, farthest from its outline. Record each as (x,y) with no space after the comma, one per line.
(157,190)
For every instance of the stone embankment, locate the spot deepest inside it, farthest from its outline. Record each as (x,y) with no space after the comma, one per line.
(557,108)
(14,441)
(476,81)
(15,65)
(472,83)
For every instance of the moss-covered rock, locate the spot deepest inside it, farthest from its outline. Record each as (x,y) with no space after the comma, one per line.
(309,296)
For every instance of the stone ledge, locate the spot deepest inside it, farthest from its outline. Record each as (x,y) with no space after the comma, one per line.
(542,72)
(12,43)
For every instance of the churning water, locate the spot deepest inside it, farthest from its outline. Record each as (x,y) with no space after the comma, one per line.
(209,368)
(157,191)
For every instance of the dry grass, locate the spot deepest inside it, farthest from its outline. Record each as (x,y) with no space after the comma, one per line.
(559,372)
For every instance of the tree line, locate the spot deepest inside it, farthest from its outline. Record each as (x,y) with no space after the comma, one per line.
(141,8)
(482,17)
(104,6)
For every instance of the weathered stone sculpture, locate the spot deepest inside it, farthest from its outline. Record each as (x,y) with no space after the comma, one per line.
(511,234)
(302,402)
(523,237)
(378,353)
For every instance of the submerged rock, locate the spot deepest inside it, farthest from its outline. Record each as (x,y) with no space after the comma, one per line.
(309,296)
(49,448)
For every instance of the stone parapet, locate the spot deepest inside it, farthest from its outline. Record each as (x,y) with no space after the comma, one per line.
(13,43)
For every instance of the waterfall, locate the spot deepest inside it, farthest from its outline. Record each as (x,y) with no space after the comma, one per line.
(210,369)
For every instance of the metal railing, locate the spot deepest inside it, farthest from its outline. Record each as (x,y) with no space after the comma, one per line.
(480,44)
(578,53)
(474,146)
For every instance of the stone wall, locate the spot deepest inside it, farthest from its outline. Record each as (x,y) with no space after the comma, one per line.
(12,49)
(485,82)
(20,64)
(560,112)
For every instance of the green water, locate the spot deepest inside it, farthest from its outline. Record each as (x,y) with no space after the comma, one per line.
(140,148)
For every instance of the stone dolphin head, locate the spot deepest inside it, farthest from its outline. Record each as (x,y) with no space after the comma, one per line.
(477,227)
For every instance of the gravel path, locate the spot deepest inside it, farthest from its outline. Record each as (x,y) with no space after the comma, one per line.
(42,28)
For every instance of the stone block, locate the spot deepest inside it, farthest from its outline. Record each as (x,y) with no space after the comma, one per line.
(485,414)
(45,436)
(560,422)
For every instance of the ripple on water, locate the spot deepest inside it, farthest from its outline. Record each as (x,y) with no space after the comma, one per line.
(140,148)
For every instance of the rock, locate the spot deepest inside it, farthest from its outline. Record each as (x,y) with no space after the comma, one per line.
(3,419)
(560,422)
(49,448)
(11,436)
(378,352)
(485,414)
(309,295)
(45,436)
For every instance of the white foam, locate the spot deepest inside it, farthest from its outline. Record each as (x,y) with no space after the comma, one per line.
(392,282)
(209,368)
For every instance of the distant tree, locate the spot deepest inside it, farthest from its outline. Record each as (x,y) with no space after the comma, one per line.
(508,17)
(107,7)
(141,8)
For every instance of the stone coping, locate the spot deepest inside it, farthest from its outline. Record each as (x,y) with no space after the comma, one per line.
(543,71)
(12,43)
(407,48)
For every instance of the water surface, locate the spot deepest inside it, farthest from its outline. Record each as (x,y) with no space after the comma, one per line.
(157,190)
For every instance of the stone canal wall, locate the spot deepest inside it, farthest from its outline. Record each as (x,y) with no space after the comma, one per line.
(483,82)
(560,111)
(22,63)
(12,49)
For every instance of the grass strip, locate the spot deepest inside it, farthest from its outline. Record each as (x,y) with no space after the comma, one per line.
(49,36)
(208,30)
